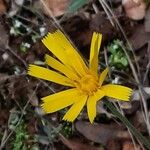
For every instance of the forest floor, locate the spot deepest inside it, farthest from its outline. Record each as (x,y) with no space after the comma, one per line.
(125,28)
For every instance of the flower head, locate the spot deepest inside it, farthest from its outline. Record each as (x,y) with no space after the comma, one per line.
(69,69)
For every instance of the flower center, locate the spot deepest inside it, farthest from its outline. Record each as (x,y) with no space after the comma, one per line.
(87,84)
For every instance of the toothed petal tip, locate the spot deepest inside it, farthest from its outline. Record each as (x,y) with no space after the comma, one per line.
(45,38)
(30,67)
(65,118)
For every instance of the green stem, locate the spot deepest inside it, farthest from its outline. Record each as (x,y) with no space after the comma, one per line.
(133,130)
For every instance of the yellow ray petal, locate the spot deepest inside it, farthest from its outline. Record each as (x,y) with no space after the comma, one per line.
(103,76)
(74,111)
(76,60)
(59,45)
(94,51)
(59,100)
(52,62)
(91,108)
(46,74)
(55,48)
(117,91)
(91,104)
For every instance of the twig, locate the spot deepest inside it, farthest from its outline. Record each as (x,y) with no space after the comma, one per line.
(108,14)
(95,8)
(17,56)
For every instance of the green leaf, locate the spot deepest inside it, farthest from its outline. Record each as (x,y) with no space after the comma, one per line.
(124,61)
(76,4)
(117,57)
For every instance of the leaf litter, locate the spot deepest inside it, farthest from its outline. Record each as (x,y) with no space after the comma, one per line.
(18,90)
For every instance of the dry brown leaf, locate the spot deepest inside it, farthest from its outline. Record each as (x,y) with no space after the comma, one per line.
(139,37)
(4,115)
(76,145)
(3,77)
(147,21)
(101,133)
(3,37)
(17,88)
(138,121)
(114,145)
(135,9)
(101,24)
(129,146)
(57,7)
(2,7)
(32,126)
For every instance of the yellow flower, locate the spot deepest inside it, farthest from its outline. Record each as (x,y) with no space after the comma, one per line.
(69,69)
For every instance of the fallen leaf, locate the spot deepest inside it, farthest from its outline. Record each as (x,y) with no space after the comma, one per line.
(4,115)
(3,37)
(135,9)
(147,21)
(3,77)
(2,7)
(56,7)
(76,145)
(100,133)
(114,145)
(139,122)
(129,146)
(17,89)
(139,37)
(31,126)
(101,24)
